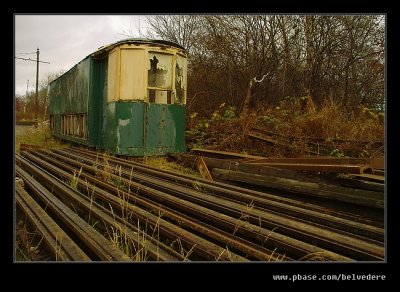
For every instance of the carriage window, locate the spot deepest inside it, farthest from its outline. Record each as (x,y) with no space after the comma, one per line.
(159,70)
(74,125)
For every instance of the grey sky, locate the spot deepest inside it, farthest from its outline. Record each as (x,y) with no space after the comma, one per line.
(64,40)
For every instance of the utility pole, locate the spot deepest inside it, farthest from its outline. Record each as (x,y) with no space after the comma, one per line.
(37,80)
(37,85)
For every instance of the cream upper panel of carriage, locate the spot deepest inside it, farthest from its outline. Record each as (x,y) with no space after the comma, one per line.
(126,74)
(132,70)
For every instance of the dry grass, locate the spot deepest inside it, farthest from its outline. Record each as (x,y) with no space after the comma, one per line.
(40,136)
(162,163)
(329,122)
(29,243)
(332,122)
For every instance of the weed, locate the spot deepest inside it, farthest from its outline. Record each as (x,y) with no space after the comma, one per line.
(181,249)
(74,181)
(135,248)
(243,217)
(336,153)
(197,185)
(106,173)
(58,247)
(27,243)
(226,250)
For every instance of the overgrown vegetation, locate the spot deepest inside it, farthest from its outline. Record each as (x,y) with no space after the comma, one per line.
(290,119)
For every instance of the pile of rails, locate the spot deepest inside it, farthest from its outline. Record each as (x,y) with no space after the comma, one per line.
(101,205)
(358,181)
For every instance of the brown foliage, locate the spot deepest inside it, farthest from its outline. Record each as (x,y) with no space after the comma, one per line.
(344,133)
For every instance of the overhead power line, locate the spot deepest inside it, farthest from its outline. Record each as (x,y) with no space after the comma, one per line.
(31,60)
(26,53)
(37,79)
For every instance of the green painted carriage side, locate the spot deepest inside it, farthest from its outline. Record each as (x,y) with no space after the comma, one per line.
(70,94)
(165,129)
(139,128)
(97,100)
(72,88)
(79,91)
(129,127)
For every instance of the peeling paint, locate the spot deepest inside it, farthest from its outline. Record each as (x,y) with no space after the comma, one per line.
(123,123)
(111,108)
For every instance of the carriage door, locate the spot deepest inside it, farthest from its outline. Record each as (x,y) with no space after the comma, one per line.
(159,124)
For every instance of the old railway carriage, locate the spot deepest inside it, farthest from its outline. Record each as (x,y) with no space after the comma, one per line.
(128,98)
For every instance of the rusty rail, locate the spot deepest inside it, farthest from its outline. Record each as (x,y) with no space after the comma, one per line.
(200,245)
(290,181)
(207,217)
(311,164)
(235,193)
(210,251)
(97,243)
(227,191)
(217,205)
(313,216)
(62,246)
(155,249)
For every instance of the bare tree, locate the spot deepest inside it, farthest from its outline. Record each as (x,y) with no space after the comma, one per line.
(340,58)
(180,29)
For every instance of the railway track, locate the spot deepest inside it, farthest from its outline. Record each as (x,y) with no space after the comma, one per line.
(61,244)
(102,248)
(209,220)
